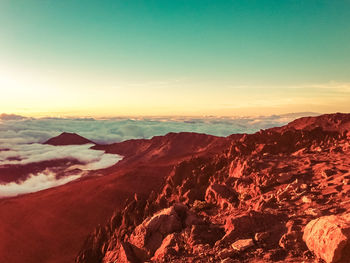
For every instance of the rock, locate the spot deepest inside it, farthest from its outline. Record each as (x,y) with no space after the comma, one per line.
(246,225)
(303,186)
(261,237)
(149,235)
(200,249)
(285,194)
(237,168)
(313,212)
(265,202)
(284,178)
(201,206)
(275,255)
(230,260)
(328,172)
(192,219)
(306,199)
(328,237)
(243,244)
(169,247)
(289,240)
(205,234)
(251,191)
(227,253)
(127,254)
(221,195)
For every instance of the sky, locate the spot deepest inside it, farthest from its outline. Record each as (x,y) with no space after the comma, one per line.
(107,58)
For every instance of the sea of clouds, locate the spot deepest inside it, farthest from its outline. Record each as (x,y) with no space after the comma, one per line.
(21,139)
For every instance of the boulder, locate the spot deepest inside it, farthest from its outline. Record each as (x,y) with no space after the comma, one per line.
(149,235)
(246,225)
(243,244)
(328,237)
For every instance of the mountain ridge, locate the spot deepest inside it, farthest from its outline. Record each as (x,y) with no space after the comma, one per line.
(159,171)
(237,198)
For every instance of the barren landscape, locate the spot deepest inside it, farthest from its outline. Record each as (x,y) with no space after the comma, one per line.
(278,195)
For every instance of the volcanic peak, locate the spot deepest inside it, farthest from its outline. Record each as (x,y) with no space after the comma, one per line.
(67,138)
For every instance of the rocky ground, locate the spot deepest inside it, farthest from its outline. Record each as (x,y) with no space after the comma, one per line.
(279,195)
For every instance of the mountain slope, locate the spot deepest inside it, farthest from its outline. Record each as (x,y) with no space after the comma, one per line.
(221,181)
(56,221)
(249,202)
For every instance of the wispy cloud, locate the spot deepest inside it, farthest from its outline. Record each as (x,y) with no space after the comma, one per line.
(35,182)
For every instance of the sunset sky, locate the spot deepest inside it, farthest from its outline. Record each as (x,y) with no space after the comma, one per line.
(116,58)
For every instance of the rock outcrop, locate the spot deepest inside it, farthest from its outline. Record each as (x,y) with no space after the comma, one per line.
(149,235)
(329,237)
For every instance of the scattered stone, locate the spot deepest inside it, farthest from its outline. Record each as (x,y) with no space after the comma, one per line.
(242,244)
(306,199)
(313,212)
(303,186)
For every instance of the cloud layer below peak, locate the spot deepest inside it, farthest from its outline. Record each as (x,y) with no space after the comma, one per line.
(21,140)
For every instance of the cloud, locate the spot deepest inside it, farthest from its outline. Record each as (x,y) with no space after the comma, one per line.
(35,183)
(35,152)
(21,139)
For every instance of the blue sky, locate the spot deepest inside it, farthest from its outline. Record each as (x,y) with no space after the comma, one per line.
(174,57)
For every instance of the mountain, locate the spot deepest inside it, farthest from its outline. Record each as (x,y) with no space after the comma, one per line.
(67,138)
(55,222)
(187,197)
(249,202)
(170,146)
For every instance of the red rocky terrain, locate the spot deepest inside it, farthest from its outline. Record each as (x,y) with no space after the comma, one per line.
(278,195)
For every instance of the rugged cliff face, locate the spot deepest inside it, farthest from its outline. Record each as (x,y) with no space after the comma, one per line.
(246,198)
